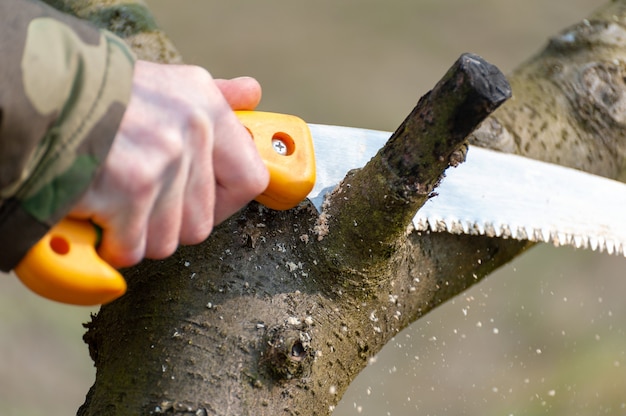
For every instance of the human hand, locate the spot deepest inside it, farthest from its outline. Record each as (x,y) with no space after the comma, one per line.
(181,163)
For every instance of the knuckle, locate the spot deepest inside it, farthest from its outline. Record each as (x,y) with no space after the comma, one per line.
(197,233)
(136,178)
(198,73)
(141,178)
(124,254)
(161,249)
(199,128)
(171,144)
(131,258)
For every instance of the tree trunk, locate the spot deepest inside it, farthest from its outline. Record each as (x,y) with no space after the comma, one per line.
(277,312)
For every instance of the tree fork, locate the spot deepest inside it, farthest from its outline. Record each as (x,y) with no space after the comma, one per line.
(255,319)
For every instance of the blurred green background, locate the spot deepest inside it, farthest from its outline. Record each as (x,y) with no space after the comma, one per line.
(544,335)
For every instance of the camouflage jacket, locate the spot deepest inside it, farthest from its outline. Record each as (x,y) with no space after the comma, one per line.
(64,86)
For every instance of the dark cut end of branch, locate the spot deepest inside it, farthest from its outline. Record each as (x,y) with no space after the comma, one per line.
(429,139)
(384,196)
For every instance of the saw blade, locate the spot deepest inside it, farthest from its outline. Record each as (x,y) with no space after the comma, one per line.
(504,195)
(493,194)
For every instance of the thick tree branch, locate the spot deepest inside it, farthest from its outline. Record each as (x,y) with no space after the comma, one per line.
(370,210)
(569,100)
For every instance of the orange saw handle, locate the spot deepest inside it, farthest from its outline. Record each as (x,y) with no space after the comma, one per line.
(64,265)
(285,145)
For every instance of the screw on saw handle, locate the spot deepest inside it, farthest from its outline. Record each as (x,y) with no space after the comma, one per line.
(64,265)
(285,145)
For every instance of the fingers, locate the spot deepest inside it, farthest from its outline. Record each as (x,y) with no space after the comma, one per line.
(199,193)
(124,236)
(125,196)
(180,163)
(186,195)
(124,252)
(240,173)
(243,93)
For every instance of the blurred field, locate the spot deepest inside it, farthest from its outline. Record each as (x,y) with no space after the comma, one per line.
(545,335)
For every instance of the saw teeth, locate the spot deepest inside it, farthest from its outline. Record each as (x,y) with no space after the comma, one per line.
(562,239)
(577,241)
(490,229)
(455,228)
(613,247)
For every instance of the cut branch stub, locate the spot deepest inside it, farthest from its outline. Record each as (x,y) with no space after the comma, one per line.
(426,142)
(373,206)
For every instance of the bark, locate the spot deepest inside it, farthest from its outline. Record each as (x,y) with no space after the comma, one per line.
(569,101)
(129,19)
(277,312)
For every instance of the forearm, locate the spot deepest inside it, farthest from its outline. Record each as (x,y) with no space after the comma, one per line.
(64,86)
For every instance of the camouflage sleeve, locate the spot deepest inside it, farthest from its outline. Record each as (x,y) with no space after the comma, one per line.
(64,86)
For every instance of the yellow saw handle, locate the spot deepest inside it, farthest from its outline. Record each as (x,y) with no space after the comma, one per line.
(285,145)
(64,265)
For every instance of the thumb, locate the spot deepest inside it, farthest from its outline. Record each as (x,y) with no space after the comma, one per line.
(243,93)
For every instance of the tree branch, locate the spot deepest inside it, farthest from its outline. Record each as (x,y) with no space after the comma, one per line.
(370,210)
(570,99)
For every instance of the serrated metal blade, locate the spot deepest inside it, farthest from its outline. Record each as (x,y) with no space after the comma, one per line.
(494,194)
(504,195)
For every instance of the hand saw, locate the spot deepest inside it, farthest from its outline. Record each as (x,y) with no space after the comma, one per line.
(491,193)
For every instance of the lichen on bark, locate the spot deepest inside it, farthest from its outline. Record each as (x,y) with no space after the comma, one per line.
(129,19)
(569,100)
